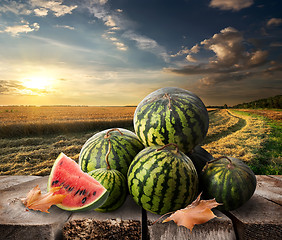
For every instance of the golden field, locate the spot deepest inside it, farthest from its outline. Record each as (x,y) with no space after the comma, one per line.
(32,137)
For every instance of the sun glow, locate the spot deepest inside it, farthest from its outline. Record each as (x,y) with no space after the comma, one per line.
(37,82)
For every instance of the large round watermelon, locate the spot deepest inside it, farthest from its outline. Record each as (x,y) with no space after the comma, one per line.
(162,179)
(171,115)
(229,180)
(124,147)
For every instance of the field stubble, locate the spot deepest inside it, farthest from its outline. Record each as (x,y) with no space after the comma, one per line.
(231,133)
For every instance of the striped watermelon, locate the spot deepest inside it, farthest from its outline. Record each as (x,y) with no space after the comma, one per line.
(115,183)
(171,115)
(229,180)
(125,146)
(162,179)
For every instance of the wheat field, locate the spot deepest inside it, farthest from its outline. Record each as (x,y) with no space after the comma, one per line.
(33,153)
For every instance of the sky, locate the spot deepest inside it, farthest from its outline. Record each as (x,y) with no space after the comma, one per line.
(115,52)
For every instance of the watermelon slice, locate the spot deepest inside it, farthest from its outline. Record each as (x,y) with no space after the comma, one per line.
(82,191)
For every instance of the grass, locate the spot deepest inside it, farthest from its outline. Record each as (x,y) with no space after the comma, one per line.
(268,158)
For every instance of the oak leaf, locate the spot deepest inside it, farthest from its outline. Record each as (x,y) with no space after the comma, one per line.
(198,212)
(35,200)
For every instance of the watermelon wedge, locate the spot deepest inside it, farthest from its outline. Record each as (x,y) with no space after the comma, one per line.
(82,191)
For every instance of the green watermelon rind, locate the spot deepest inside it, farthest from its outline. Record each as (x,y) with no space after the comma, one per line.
(123,149)
(97,203)
(115,183)
(162,181)
(171,115)
(231,187)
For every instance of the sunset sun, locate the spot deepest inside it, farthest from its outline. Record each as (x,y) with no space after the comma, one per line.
(37,82)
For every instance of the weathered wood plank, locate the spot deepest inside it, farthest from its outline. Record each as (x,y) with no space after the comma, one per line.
(258,219)
(17,223)
(9,181)
(124,223)
(217,228)
(270,188)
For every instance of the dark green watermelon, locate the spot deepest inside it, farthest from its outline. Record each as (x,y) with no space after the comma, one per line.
(229,180)
(171,115)
(162,179)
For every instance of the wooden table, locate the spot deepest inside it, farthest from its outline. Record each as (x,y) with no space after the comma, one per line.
(260,218)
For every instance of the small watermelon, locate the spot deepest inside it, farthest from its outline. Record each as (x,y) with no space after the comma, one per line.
(162,179)
(114,181)
(125,146)
(229,180)
(171,115)
(82,191)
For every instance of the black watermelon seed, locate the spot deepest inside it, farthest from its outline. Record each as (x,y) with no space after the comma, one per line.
(94,193)
(70,189)
(55,182)
(83,200)
(76,192)
(66,187)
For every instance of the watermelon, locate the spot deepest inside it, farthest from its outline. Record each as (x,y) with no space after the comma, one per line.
(82,191)
(200,157)
(162,179)
(115,182)
(171,115)
(229,180)
(125,146)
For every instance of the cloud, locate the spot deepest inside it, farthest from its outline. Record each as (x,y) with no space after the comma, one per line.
(15,7)
(40,8)
(56,7)
(147,44)
(8,87)
(25,27)
(65,26)
(274,22)
(191,58)
(41,12)
(231,60)
(234,5)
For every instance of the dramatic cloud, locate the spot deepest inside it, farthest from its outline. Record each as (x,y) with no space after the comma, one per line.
(231,61)
(25,27)
(234,5)
(191,58)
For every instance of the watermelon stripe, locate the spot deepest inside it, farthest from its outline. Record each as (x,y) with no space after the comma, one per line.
(123,149)
(230,186)
(162,181)
(182,120)
(115,183)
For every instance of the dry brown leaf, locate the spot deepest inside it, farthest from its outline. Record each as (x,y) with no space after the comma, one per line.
(198,212)
(42,202)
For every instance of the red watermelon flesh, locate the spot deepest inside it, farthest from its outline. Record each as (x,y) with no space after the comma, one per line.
(82,191)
